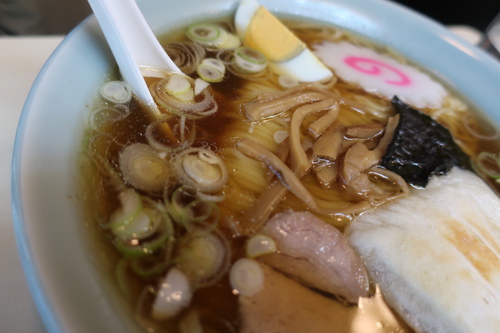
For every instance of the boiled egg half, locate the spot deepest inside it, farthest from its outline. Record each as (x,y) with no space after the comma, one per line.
(286,53)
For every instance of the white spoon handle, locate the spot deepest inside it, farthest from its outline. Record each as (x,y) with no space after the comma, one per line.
(132,42)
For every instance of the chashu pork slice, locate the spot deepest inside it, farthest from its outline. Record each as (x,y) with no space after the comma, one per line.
(436,254)
(284,305)
(317,254)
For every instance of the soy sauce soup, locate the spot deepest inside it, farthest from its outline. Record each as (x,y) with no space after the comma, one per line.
(177,220)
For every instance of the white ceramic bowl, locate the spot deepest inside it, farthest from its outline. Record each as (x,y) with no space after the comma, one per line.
(67,287)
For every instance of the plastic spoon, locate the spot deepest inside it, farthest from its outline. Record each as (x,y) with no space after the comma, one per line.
(133,44)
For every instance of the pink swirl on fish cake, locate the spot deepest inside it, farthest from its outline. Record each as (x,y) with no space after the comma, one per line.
(381,74)
(375,69)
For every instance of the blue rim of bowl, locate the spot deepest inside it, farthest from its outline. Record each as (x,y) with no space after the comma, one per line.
(408,18)
(37,289)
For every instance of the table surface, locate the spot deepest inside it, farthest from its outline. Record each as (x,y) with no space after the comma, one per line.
(21,58)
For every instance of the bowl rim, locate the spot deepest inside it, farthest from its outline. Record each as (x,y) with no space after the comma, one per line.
(370,10)
(25,250)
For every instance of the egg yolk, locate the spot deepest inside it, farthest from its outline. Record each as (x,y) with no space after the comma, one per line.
(278,46)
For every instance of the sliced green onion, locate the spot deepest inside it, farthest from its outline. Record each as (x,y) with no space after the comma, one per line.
(136,248)
(215,63)
(170,134)
(206,34)
(211,70)
(287,81)
(203,32)
(186,55)
(179,87)
(259,245)
(186,97)
(199,86)
(174,294)
(131,206)
(480,128)
(201,214)
(201,169)
(219,197)
(176,206)
(205,104)
(131,220)
(177,84)
(250,60)
(246,277)
(489,164)
(108,115)
(116,92)
(143,168)
(232,42)
(140,227)
(204,257)
(187,210)
(209,73)
(148,265)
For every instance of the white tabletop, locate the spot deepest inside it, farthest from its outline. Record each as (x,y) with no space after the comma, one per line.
(21,58)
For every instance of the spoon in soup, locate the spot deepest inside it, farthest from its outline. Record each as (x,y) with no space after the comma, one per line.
(134,46)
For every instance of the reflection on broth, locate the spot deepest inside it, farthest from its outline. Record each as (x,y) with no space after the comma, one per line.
(227,214)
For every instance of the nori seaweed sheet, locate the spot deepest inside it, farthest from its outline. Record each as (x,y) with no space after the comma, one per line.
(421,147)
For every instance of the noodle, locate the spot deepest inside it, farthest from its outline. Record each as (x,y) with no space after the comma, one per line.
(252,176)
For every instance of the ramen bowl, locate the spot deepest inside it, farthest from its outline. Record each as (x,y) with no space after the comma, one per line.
(63,274)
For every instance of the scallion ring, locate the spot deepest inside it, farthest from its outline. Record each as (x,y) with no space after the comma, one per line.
(250,60)
(108,115)
(143,168)
(199,86)
(489,164)
(201,214)
(187,56)
(259,245)
(207,34)
(215,63)
(204,257)
(179,86)
(201,169)
(246,277)
(204,104)
(148,265)
(176,204)
(209,73)
(232,42)
(287,81)
(173,295)
(188,210)
(116,92)
(181,133)
(136,249)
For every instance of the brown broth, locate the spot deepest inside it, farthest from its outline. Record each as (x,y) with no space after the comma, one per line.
(217,305)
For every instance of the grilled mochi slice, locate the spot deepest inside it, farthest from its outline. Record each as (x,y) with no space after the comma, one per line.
(436,254)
